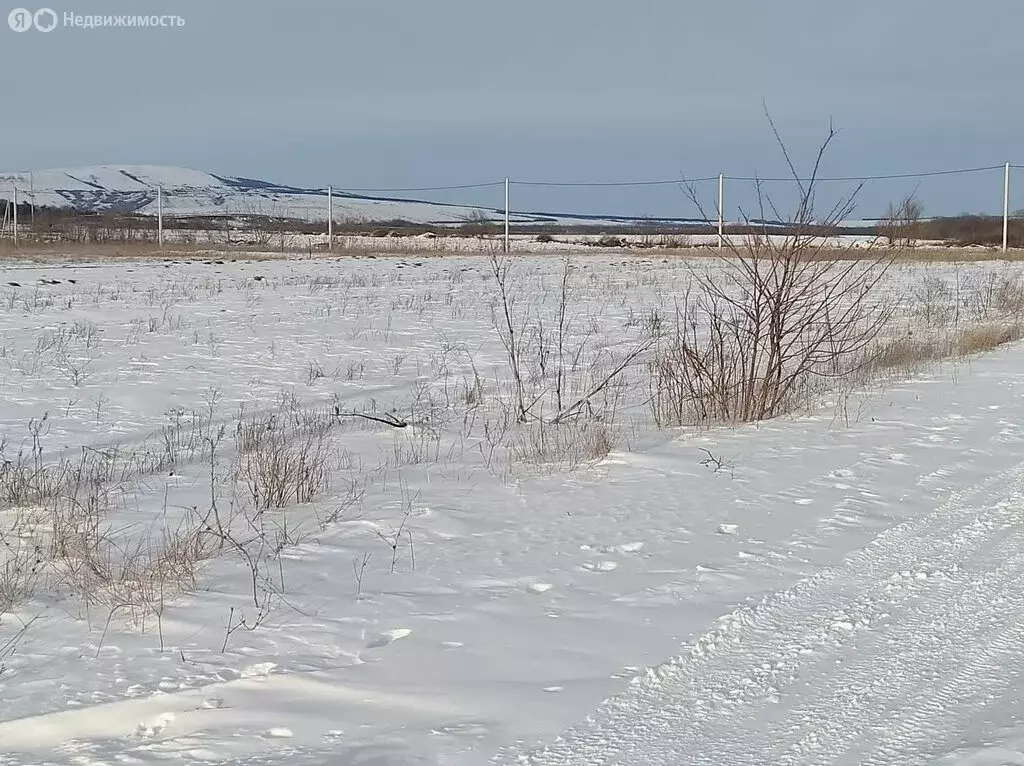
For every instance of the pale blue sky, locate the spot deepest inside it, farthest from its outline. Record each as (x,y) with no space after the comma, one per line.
(381,93)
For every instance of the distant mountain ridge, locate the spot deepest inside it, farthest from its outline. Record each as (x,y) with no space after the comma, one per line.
(186,192)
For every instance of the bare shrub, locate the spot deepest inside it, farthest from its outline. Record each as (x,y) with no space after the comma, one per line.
(134,574)
(901,224)
(64,536)
(553,378)
(933,301)
(343,502)
(1000,294)
(25,480)
(314,372)
(761,334)
(471,393)
(1008,297)
(400,536)
(279,472)
(415,446)
(261,222)
(566,445)
(183,438)
(22,566)
(511,329)
(65,540)
(675,241)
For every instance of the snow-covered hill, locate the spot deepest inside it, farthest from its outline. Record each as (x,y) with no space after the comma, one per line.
(134,188)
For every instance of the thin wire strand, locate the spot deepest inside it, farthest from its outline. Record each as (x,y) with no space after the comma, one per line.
(888,177)
(613,183)
(489,184)
(659,182)
(845,179)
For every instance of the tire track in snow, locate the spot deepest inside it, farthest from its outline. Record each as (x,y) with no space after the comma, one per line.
(878,695)
(766,681)
(988,661)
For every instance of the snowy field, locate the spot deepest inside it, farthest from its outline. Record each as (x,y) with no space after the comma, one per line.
(441,242)
(282,512)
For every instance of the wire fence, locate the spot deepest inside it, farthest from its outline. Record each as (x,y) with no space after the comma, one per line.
(141,207)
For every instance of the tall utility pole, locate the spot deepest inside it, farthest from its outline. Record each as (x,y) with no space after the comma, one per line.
(1006,206)
(721,213)
(506,216)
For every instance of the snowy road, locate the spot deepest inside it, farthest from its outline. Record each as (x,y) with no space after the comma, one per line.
(892,657)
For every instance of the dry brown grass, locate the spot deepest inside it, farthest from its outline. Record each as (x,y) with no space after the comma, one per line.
(985,337)
(564,446)
(911,354)
(134,574)
(22,565)
(905,355)
(68,253)
(921,254)
(58,537)
(959,255)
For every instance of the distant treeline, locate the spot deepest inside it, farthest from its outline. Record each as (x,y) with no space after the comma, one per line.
(76,225)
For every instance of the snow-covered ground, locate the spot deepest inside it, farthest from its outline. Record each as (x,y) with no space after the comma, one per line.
(254,242)
(837,587)
(445,243)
